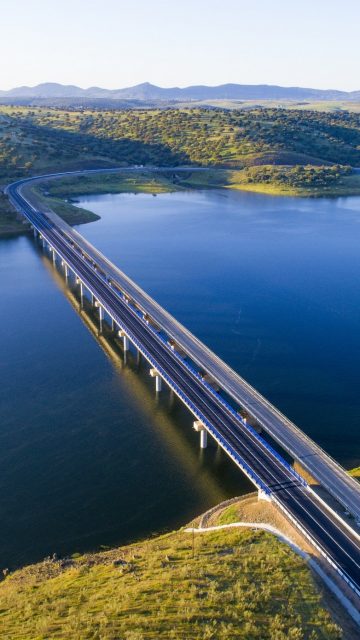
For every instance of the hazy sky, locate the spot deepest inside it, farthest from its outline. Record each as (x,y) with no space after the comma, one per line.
(116,43)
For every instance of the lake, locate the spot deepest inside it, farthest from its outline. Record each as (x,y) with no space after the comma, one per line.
(88,455)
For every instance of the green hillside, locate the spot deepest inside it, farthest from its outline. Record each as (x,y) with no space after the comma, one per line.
(33,138)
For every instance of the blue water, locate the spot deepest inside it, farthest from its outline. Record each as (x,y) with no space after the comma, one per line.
(87,456)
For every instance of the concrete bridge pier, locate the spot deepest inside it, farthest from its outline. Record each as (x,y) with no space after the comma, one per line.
(113,324)
(101,318)
(158,380)
(200,428)
(35,233)
(81,292)
(126,342)
(101,314)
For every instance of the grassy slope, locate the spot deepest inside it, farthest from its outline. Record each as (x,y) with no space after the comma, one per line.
(239,584)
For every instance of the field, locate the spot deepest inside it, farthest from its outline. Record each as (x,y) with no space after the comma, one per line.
(220,585)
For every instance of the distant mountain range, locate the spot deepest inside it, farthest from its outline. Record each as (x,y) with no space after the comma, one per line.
(150,92)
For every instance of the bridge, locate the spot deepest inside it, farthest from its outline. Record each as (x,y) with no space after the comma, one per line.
(178,359)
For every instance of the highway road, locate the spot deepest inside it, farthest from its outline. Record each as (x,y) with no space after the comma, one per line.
(268,471)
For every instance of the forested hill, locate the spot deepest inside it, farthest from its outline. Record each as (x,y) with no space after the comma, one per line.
(32,140)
